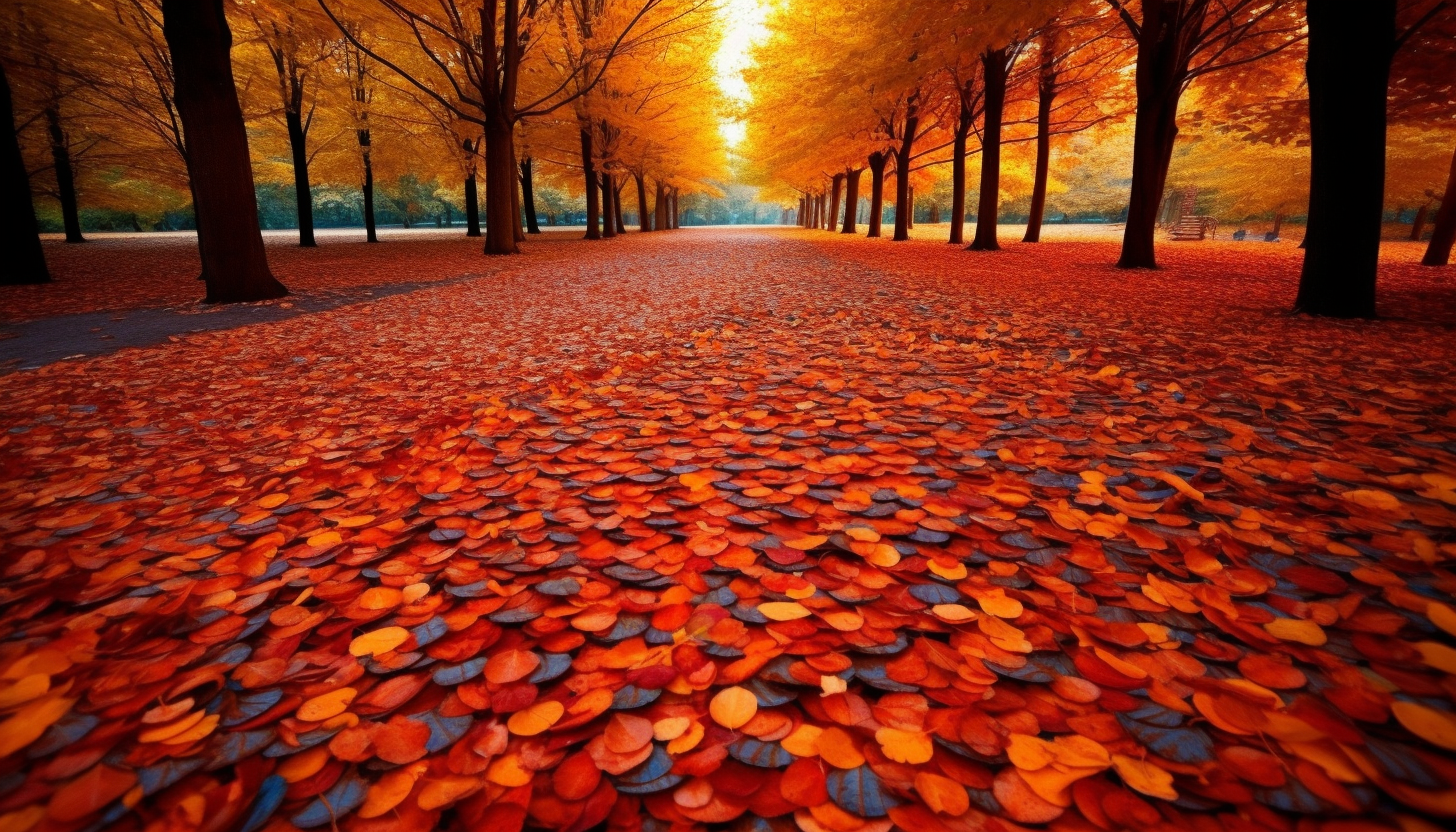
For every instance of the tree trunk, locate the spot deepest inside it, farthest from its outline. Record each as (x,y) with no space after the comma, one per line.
(644,218)
(660,207)
(65,175)
(836,191)
(500,188)
(617,186)
(877,191)
(1348,70)
(19,233)
(609,208)
(958,180)
(1418,225)
(528,195)
(1278,223)
(1443,235)
(910,218)
(298,145)
(234,264)
(851,199)
(370,233)
(472,207)
(994,68)
(1046,92)
(518,231)
(1161,70)
(902,175)
(589,171)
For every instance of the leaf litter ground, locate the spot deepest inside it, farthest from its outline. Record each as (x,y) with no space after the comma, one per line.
(752,530)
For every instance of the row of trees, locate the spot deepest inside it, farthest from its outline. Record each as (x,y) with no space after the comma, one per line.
(587,96)
(904,91)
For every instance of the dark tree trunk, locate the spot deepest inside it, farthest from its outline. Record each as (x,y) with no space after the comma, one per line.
(19,233)
(234,264)
(958,179)
(1278,223)
(1046,93)
(589,171)
(1443,235)
(1418,226)
(1348,70)
(877,191)
(617,186)
(910,219)
(371,234)
(644,218)
(994,68)
(298,145)
(660,207)
(472,207)
(609,208)
(836,192)
(528,195)
(851,199)
(500,189)
(1162,68)
(903,207)
(65,176)
(803,223)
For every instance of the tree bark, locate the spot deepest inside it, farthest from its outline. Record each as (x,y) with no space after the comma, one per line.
(609,208)
(1162,67)
(910,215)
(65,175)
(1348,70)
(676,210)
(644,217)
(836,192)
(994,68)
(1443,234)
(958,178)
(1046,93)
(371,234)
(902,173)
(877,162)
(234,264)
(303,192)
(589,171)
(20,233)
(660,207)
(1418,225)
(617,186)
(528,195)
(472,207)
(851,200)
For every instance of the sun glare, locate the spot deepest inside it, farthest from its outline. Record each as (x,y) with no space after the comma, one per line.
(744,23)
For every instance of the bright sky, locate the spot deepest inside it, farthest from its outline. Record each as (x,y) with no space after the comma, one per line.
(744,24)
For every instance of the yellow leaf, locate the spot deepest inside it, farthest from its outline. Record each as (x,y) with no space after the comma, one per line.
(1029,753)
(695,480)
(323,540)
(27,724)
(952,612)
(670,728)
(910,747)
(688,741)
(733,707)
(326,705)
(1109,370)
(783,610)
(1431,725)
(1372,498)
(942,794)
(807,542)
(1144,777)
(831,685)
(271,500)
(804,741)
(390,790)
(1298,630)
(379,641)
(536,719)
(1442,616)
(997,604)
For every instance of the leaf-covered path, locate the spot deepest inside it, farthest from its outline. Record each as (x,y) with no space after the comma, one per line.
(683,529)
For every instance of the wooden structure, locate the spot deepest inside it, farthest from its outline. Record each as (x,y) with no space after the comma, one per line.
(1191,226)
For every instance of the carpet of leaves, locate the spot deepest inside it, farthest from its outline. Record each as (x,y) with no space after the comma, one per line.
(750,530)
